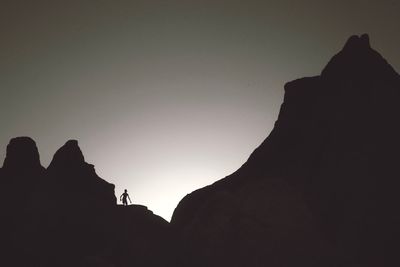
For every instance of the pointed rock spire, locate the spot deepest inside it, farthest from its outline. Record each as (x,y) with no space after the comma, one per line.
(358,60)
(69,155)
(357,42)
(69,171)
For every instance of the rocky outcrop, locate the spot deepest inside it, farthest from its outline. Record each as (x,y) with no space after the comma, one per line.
(22,155)
(21,172)
(20,177)
(72,210)
(66,215)
(321,190)
(75,182)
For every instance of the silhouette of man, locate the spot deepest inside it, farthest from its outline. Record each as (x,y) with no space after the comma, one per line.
(124,198)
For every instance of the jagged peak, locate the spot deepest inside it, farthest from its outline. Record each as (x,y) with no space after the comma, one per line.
(357,60)
(69,155)
(356,42)
(22,153)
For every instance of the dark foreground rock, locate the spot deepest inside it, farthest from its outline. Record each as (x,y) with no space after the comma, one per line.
(67,215)
(322,189)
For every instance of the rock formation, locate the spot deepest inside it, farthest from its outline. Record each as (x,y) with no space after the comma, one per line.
(66,215)
(322,189)
(76,181)
(20,177)
(22,155)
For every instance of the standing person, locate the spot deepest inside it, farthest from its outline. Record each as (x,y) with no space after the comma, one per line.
(124,198)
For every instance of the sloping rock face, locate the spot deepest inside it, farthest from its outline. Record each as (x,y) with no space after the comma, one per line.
(143,239)
(322,189)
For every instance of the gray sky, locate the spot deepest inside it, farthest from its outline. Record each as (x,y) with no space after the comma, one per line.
(167,96)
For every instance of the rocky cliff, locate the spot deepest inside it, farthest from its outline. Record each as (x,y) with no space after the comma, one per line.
(322,189)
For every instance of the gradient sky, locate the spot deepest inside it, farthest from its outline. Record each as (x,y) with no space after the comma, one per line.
(167,96)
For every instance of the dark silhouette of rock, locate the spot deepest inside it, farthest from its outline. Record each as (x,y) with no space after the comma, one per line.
(20,177)
(22,155)
(21,171)
(72,209)
(67,215)
(322,189)
(75,181)
(136,247)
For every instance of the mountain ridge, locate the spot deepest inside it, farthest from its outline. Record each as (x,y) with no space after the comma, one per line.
(320,190)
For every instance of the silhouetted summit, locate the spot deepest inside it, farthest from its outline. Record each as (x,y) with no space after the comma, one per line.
(356,60)
(80,183)
(322,189)
(22,154)
(357,44)
(68,156)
